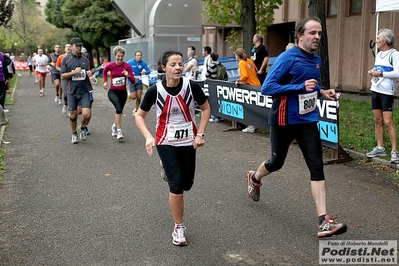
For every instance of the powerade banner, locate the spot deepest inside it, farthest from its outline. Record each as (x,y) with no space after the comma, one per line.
(245,104)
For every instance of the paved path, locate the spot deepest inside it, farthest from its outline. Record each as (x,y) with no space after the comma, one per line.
(102,202)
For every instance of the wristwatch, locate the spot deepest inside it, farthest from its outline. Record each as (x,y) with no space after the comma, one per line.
(382,74)
(202,135)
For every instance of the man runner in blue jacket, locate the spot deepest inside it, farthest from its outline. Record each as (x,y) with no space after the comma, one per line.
(293,84)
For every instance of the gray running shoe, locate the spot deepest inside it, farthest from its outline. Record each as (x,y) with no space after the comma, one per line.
(119,134)
(253,188)
(74,138)
(64,109)
(329,227)
(114,130)
(377,151)
(394,157)
(82,133)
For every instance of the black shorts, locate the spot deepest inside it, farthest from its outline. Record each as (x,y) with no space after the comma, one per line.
(135,87)
(56,76)
(179,165)
(308,138)
(382,102)
(79,99)
(118,99)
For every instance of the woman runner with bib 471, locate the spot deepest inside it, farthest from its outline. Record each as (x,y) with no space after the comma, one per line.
(177,136)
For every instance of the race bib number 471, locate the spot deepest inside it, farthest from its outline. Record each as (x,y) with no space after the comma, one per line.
(180,133)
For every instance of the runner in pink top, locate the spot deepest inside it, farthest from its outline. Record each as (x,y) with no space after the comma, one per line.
(117,94)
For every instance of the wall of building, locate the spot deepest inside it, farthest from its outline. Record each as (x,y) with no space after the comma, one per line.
(350,40)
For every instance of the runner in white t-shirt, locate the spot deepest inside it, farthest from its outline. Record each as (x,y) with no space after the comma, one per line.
(41,61)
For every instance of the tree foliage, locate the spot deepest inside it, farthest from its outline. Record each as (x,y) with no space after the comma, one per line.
(6,12)
(252,15)
(96,22)
(29,31)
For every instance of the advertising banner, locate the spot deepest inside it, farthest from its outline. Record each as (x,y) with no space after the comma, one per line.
(245,104)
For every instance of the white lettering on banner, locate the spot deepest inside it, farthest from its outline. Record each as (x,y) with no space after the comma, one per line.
(243,96)
(205,89)
(327,109)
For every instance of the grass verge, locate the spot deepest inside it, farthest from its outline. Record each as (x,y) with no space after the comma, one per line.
(9,101)
(356,126)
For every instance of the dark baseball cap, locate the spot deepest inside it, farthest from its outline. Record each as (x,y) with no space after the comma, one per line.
(76,40)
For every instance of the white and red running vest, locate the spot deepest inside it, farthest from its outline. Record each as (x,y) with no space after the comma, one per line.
(175,116)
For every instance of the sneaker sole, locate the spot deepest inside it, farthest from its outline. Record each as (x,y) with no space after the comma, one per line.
(379,155)
(180,243)
(120,138)
(336,231)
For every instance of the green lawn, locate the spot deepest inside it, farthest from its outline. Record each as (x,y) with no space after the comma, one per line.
(356,126)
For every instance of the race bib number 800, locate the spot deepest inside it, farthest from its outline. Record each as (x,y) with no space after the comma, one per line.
(307,102)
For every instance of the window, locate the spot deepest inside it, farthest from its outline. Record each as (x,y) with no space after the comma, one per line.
(332,8)
(355,7)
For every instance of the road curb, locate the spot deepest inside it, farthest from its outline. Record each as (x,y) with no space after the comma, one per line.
(374,160)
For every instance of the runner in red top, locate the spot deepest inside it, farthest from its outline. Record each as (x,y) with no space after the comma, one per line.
(119,71)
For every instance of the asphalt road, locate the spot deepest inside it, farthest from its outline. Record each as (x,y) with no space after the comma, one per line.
(103,202)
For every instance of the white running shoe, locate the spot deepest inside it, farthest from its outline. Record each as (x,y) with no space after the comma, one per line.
(119,134)
(134,112)
(82,133)
(249,129)
(74,138)
(179,239)
(394,155)
(56,99)
(59,101)
(64,109)
(114,130)
(41,93)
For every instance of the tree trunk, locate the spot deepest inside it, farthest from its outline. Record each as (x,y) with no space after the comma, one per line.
(248,24)
(317,9)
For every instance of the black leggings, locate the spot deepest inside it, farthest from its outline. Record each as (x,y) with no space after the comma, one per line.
(308,138)
(118,99)
(179,165)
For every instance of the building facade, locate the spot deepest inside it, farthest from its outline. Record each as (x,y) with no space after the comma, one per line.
(351,31)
